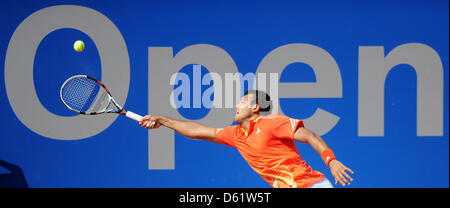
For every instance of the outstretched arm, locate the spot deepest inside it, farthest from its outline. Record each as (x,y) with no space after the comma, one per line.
(338,170)
(189,129)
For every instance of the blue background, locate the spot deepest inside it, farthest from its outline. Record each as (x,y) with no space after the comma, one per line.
(247,30)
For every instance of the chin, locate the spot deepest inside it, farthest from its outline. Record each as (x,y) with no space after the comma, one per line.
(237,120)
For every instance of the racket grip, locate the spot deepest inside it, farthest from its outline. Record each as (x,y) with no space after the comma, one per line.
(133,116)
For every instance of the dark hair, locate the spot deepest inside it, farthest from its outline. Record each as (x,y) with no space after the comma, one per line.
(261,98)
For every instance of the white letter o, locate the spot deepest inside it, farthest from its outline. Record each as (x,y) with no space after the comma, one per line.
(19,69)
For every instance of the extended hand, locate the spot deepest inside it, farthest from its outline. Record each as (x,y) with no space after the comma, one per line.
(339,172)
(150,122)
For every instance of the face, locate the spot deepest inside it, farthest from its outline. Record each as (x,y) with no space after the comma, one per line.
(245,108)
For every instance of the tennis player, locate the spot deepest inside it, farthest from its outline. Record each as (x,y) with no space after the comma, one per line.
(266,143)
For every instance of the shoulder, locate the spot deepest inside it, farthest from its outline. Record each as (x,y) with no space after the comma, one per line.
(226,135)
(273,117)
(228,129)
(275,120)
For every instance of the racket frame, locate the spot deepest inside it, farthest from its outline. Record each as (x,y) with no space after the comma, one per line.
(110,98)
(119,109)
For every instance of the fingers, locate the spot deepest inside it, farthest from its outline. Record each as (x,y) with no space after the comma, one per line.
(151,124)
(341,179)
(347,175)
(349,170)
(144,120)
(340,174)
(148,122)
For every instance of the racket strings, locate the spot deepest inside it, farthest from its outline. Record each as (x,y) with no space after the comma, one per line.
(80,93)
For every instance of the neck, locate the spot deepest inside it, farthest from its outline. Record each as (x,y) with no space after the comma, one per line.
(246,123)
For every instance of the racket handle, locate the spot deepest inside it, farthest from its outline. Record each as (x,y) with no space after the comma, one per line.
(133,116)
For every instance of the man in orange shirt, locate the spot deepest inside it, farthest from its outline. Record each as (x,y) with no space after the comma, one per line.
(266,143)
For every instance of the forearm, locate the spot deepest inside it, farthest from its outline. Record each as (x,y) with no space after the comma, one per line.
(305,135)
(337,168)
(186,128)
(321,148)
(317,143)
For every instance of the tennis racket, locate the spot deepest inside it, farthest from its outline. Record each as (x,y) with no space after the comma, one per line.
(88,96)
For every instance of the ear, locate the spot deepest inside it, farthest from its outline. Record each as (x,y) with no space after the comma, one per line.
(256,108)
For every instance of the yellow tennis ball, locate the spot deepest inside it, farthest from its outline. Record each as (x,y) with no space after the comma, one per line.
(78,46)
